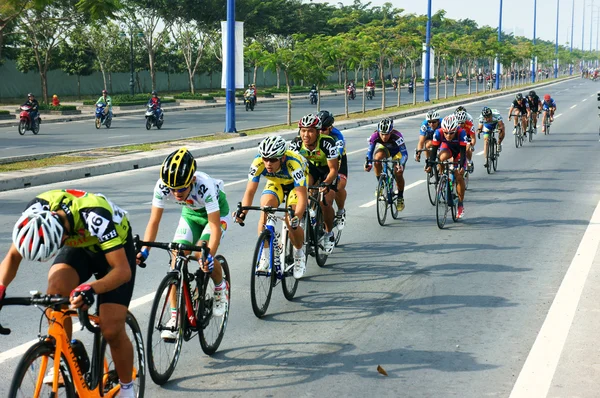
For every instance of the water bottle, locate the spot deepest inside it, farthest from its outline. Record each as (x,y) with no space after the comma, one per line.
(81,354)
(313,217)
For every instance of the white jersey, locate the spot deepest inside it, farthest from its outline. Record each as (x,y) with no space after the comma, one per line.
(496,117)
(203,196)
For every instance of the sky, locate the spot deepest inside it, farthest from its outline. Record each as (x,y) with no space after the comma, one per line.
(517,16)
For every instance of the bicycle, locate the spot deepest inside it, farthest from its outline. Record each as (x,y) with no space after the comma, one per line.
(432,179)
(445,198)
(75,373)
(194,309)
(530,127)
(279,252)
(315,237)
(387,189)
(547,124)
(492,151)
(518,133)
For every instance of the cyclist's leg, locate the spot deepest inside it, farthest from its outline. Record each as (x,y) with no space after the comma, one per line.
(460,181)
(272,196)
(524,123)
(399,172)
(296,235)
(340,196)
(225,219)
(327,208)
(544,116)
(486,140)
(381,153)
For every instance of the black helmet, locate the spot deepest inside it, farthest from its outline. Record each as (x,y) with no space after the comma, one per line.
(327,119)
(154,92)
(30,95)
(485,112)
(519,97)
(178,169)
(532,93)
(460,108)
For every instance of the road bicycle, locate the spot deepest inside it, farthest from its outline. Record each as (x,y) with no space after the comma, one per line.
(445,198)
(432,179)
(492,152)
(315,238)
(194,295)
(387,190)
(530,128)
(547,124)
(519,139)
(75,373)
(275,248)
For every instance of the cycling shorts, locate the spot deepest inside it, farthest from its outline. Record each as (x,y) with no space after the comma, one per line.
(490,128)
(398,156)
(455,153)
(87,263)
(281,191)
(193,227)
(343,171)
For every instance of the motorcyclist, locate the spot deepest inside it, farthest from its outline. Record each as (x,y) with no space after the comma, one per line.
(395,82)
(351,89)
(411,86)
(313,91)
(371,86)
(251,94)
(33,104)
(155,101)
(106,100)
(255,92)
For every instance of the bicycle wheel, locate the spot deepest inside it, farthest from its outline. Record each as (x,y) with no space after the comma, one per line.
(36,363)
(336,220)
(530,134)
(163,353)
(494,159)
(382,202)
(454,205)
(289,283)
(547,127)
(262,282)
(441,204)
(517,133)
(490,155)
(319,236)
(431,187)
(110,379)
(393,187)
(211,328)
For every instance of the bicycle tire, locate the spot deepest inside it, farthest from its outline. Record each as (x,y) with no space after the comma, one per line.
(265,279)
(394,199)
(441,204)
(289,284)
(28,364)
(431,187)
(547,132)
(204,313)
(517,132)
(494,159)
(490,155)
(454,205)
(381,200)
(110,379)
(319,232)
(530,134)
(160,376)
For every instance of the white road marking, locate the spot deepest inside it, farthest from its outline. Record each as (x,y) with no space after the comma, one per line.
(592,96)
(559,115)
(479,153)
(537,373)
(118,136)
(16,147)
(357,151)
(236,182)
(406,188)
(573,106)
(583,100)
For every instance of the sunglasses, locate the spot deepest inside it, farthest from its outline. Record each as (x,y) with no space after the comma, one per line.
(270,160)
(180,190)
(449,132)
(432,121)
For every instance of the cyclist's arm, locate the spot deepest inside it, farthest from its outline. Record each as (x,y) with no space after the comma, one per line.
(333,171)
(510,111)
(214,222)
(421,143)
(251,188)
(9,266)
(119,274)
(153,223)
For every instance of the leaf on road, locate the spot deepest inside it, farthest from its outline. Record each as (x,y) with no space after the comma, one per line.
(381,370)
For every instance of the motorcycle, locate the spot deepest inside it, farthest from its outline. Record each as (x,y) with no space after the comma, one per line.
(351,92)
(370,92)
(313,97)
(249,102)
(26,122)
(411,88)
(101,117)
(152,119)
(395,84)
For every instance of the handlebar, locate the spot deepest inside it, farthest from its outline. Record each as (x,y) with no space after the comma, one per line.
(266,209)
(49,301)
(173,246)
(321,194)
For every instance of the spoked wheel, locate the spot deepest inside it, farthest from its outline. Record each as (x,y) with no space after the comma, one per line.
(289,283)
(517,140)
(98,123)
(211,328)
(319,238)
(394,200)
(441,204)
(490,156)
(35,127)
(110,379)
(35,364)
(431,187)
(108,123)
(381,199)
(164,340)
(547,128)
(148,123)
(262,282)
(22,127)
(454,206)
(530,135)
(494,159)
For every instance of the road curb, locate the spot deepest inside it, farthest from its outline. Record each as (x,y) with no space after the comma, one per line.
(138,160)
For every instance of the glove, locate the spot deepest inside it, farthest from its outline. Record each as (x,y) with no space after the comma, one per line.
(294,222)
(368,166)
(210,263)
(143,254)
(86,292)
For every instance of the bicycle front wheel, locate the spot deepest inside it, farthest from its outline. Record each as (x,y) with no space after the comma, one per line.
(319,238)
(164,342)
(494,160)
(431,187)
(393,187)
(35,364)
(212,328)
(289,283)
(382,202)
(441,202)
(262,281)
(517,134)
(110,379)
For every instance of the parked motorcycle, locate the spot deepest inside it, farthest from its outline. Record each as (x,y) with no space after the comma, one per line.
(351,92)
(101,117)
(26,122)
(370,92)
(411,88)
(153,118)
(313,97)
(249,102)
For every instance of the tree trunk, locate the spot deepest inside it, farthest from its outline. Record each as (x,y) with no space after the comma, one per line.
(437,79)
(152,69)
(278,79)
(44,80)
(345,94)
(455,80)
(103,72)
(381,72)
(399,85)
(110,82)
(289,99)
(363,84)
(255,73)
(445,78)
(78,87)
(192,86)
(340,68)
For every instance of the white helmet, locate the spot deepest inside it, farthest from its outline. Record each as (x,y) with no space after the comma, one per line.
(38,236)
(272,147)
(449,123)
(432,115)
(385,126)
(310,120)
(461,116)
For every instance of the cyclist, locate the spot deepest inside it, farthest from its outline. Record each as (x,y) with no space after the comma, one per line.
(451,140)
(285,172)
(327,128)
(385,143)
(520,103)
(92,236)
(489,121)
(323,156)
(106,100)
(204,218)
(548,106)
(431,123)
(465,121)
(534,105)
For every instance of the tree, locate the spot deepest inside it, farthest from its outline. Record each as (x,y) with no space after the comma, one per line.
(192,39)
(253,54)
(110,51)
(76,57)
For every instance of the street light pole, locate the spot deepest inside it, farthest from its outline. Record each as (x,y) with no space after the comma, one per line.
(572,23)
(591,24)
(556,45)
(427,54)
(230,78)
(498,55)
(533,58)
(131,85)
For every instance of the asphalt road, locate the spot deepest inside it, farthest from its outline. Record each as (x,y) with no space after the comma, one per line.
(447,313)
(130,129)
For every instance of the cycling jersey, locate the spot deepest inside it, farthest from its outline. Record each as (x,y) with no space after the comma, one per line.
(457,145)
(549,104)
(325,150)
(292,171)
(339,140)
(522,107)
(534,103)
(427,130)
(96,223)
(491,126)
(394,146)
(206,195)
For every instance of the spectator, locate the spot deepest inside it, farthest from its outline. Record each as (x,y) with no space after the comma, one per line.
(55,100)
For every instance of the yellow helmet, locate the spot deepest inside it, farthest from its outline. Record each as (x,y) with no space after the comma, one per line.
(178,169)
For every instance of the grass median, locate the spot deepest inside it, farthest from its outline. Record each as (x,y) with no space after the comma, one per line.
(102,153)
